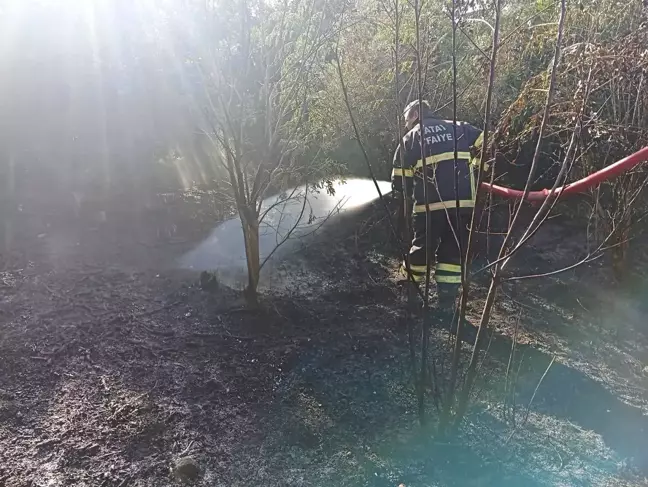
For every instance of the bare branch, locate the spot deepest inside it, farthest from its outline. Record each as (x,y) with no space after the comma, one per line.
(277,203)
(496,278)
(289,233)
(366,158)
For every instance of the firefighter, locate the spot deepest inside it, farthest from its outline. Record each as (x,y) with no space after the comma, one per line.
(445,230)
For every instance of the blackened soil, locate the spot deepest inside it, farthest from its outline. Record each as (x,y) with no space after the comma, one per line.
(113,365)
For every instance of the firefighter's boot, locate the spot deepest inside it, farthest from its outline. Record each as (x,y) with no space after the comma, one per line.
(448,313)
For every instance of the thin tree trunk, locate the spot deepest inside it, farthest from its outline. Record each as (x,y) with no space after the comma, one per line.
(425,332)
(471,373)
(405,213)
(251,237)
(449,400)
(465,281)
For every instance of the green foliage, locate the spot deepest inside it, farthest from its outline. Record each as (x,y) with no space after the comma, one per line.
(137,116)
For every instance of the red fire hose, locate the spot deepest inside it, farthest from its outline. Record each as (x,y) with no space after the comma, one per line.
(579,186)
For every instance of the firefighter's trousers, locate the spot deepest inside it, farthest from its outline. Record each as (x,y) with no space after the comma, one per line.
(443,234)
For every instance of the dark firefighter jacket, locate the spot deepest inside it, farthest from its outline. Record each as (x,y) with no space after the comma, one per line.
(439,159)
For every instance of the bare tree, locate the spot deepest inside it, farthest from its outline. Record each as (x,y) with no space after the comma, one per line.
(505,252)
(258,78)
(454,369)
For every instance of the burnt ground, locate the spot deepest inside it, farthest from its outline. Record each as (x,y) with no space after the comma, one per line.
(113,365)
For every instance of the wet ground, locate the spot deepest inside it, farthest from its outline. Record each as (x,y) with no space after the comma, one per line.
(114,364)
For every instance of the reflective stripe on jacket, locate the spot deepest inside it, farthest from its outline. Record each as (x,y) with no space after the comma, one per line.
(439,159)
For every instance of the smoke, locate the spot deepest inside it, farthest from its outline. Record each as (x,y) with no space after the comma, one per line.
(291,219)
